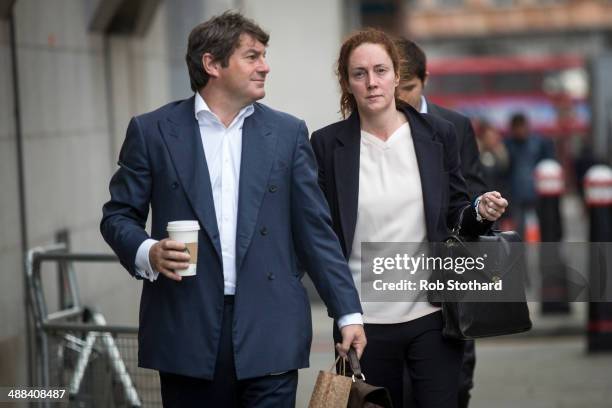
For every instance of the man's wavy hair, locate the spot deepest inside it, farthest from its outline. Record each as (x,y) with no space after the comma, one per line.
(414,61)
(348,104)
(219,36)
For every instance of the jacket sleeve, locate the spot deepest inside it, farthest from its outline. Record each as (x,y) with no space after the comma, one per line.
(460,207)
(315,242)
(124,216)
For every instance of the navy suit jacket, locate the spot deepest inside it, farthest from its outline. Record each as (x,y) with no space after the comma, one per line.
(282,219)
(337,149)
(471,168)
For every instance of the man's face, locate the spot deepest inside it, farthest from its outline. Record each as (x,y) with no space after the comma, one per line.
(410,91)
(244,77)
(371,78)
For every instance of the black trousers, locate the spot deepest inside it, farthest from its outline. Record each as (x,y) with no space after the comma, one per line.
(225,390)
(466,379)
(433,362)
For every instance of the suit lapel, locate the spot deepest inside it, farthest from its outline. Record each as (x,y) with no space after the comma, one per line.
(182,137)
(346,169)
(258,148)
(429,154)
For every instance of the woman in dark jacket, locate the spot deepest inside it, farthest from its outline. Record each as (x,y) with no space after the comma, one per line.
(391,174)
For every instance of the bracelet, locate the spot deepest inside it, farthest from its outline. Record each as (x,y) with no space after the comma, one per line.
(479,217)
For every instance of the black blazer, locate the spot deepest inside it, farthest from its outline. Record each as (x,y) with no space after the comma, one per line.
(468,150)
(445,196)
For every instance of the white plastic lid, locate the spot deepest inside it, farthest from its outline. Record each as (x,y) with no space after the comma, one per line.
(180,226)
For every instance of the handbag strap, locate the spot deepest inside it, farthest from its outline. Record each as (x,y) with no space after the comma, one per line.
(456,231)
(355,366)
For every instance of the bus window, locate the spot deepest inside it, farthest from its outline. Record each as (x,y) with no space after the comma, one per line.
(456,84)
(514,82)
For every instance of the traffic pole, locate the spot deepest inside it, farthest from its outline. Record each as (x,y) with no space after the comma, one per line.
(598,197)
(550,186)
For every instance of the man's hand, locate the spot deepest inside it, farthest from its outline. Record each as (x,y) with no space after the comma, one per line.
(352,335)
(166,255)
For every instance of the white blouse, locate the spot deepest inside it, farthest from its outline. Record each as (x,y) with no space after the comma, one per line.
(390,209)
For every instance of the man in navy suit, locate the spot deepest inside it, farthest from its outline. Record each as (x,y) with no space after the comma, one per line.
(236,333)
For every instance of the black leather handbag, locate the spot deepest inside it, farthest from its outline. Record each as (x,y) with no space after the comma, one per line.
(466,320)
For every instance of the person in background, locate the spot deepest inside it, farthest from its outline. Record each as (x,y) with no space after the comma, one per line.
(494,157)
(525,151)
(391,174)
(413,79)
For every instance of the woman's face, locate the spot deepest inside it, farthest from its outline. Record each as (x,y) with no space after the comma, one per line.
(372,79)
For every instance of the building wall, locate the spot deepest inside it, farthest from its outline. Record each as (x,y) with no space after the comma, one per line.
(12,346)
(481,18)
(305,38)
(481,27)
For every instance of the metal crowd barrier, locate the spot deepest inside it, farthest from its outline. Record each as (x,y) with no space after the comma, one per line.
(75,348)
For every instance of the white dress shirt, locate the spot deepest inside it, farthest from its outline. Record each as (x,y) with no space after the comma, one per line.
(423,105)
(223,152)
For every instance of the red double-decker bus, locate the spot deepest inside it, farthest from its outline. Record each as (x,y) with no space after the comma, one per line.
(551,90)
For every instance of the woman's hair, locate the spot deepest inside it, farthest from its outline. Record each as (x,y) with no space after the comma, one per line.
(348,104)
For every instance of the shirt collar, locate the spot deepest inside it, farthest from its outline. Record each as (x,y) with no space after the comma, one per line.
(423,104)
(201,106)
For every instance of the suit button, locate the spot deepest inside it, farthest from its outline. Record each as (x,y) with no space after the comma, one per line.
(273,189)
(174,185)
(263,231)
(271,276)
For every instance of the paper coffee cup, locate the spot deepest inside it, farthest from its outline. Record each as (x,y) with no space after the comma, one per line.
(187,233)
